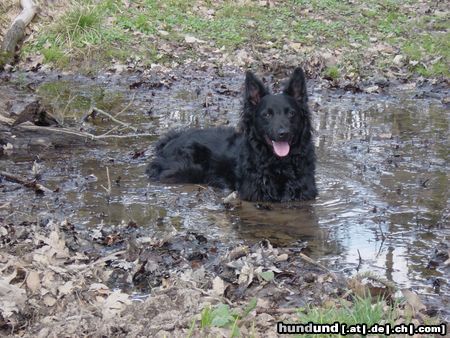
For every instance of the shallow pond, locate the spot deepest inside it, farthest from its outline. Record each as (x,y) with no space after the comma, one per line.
(383,174)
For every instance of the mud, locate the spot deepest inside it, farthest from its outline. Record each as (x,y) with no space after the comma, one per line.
(383,167)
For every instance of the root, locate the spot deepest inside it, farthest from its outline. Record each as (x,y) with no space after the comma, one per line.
(17,31)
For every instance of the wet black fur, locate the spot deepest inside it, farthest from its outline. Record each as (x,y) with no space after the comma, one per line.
(245,160)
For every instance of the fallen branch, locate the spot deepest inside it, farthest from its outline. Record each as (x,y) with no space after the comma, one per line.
(17,31)
(77,133)
(277,311)
(99,111)
(26,183)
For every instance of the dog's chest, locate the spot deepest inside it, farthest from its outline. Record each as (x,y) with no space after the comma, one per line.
(278,173)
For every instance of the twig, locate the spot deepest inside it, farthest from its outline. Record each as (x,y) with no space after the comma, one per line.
(99,111)
(360,261)
(29,184)
(63,113)
(127,106)
(109,131)
(78,133)
(108,190)
(313,262)
(383,237)
(278,311)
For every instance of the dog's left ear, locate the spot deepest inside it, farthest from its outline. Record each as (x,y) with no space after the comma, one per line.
(296,86)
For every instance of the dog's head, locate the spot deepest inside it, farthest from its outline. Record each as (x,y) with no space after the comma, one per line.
(281,121)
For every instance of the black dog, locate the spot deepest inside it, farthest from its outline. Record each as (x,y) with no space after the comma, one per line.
(270,159)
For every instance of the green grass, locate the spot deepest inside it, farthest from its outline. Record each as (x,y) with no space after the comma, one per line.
(332,73)
(425,47)
(361,311)
(55,55)
(106,30)
(222,316)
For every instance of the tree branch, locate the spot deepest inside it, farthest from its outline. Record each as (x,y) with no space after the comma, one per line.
(17,31)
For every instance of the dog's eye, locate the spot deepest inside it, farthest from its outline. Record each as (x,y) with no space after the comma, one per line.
(291,113)
(267,114)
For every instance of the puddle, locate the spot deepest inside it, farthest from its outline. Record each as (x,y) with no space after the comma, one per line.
(383,166)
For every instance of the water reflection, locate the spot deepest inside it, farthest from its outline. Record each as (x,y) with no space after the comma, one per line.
(383,177)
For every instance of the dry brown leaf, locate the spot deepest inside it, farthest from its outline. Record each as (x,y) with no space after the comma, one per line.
(12,298)
(264,319)
(262,303)
(413,300)
(372,89)
(65,289)
(282,257)
(49,300)
(48,282)
(191,39)
(54,251)
(357,287)
(3,230)
(398,60)
(115,304)
(58,244)
(218,286)
(246,274)
(33,281)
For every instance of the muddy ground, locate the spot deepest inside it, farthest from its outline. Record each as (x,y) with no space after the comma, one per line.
(90,247)
(98,250)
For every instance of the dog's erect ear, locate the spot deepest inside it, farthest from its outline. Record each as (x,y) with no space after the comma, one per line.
(296,86)
(254,89)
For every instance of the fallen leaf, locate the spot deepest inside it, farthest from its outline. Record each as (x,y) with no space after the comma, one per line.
(191,39)
(398,60)
(263,303)
(33,281)
(267,275)
(12,298)
(49,300)
(246,275)
(282,257)
(372,89)
(413,300)
(115,304)
(355,285)
(65,289)
(218,286)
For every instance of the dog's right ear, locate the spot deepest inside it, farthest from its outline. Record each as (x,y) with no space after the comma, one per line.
(254,89)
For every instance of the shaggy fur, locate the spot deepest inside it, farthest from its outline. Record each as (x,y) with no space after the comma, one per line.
(271,158)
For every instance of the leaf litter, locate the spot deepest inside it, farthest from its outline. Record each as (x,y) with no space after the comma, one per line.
(48,289)
(55,282)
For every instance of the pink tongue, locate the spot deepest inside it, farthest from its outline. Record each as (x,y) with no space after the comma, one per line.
(281,148)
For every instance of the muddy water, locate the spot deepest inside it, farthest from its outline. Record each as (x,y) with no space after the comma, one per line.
(383,175)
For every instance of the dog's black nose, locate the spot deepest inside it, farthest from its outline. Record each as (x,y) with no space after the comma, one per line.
(283,134)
